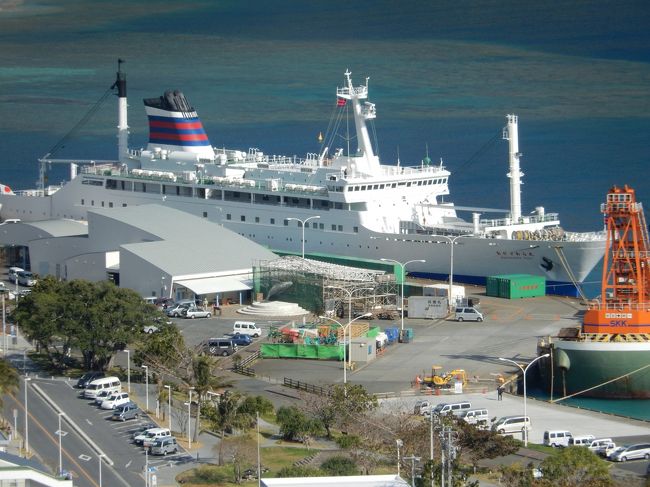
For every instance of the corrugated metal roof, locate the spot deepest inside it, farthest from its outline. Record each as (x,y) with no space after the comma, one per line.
(60,228)
(188,244)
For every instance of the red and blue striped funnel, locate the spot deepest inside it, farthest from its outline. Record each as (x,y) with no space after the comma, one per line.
(175,126)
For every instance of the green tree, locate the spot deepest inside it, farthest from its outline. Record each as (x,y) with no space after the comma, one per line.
(574,466)
(296,425)
(339,465)
(479,444)
(97,318)
(8,379)
(227,416)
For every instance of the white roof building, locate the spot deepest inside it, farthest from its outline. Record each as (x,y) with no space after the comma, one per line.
(352,480)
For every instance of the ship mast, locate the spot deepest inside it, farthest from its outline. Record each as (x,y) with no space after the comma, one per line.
(511,134)
(365,159)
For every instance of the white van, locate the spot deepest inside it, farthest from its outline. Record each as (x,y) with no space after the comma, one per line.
(421,406)
(12,273)
(583,440)
(557,438)
(456,408)
(512,424)
(246,328)
(111,384)
(475,416)
(602,446)
(150,299)
(468,314)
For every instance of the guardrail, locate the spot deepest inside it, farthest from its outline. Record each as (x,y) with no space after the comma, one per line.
(303,386)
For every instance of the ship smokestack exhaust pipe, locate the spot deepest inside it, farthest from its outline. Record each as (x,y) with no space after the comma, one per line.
(511,134)
(122,115)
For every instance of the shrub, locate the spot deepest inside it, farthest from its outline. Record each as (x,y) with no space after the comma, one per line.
(339,465)
(299,472)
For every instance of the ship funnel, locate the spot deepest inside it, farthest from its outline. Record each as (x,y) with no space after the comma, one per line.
(175,126)
(122,117)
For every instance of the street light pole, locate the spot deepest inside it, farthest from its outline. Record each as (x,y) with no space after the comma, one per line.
(60,433)
(350,315)
(302,222)
(523,371)
(413,460)
(146,382)
(345,327)
(399,443)
(4,324)
(403,265)
(452,242)
(128,369)
(169,406)
(100,456)
(27,379)
(189,419)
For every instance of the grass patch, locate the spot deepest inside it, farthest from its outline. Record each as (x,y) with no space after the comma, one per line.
(275,458)
(549,450)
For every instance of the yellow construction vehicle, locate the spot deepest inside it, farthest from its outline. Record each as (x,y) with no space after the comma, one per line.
(444,380)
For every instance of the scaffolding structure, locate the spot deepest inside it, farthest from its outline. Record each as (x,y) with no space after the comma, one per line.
(325,288)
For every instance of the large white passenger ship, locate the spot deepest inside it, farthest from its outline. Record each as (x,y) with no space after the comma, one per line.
(351,203)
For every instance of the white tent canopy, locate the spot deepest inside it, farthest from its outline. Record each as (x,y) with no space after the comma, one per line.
(209,285)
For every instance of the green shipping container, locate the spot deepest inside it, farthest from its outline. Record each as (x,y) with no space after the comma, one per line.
(492,286)
(517,286)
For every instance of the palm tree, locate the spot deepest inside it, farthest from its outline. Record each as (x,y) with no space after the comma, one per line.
(203,381)
(8,378)
(228,416)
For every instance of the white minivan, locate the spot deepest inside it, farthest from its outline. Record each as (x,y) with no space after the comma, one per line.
(582,440)
(468,314)
(246,328)
(475,416)
(512,424)
(111,384)
(557,438)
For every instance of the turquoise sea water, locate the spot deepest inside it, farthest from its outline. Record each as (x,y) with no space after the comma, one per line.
(263,74)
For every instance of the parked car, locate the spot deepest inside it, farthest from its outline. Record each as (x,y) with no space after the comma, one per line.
(163,446)
(102,396)
(241,340)
(26,278)
(219,346)
(197,313)
(177,310)
(601,445)
(149,329)
(12,274)
(88,377)
(115,400)
(581,440)
(127,411)
(143,428)
(468,314)
(631,452)
(246,328)
(512,424)
(155,434)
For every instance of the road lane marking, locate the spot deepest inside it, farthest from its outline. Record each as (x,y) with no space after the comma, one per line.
(85,458)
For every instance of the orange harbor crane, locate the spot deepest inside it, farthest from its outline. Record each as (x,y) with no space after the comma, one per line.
(624,304)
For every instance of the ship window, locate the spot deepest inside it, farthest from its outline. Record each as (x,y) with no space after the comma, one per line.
(123,205)
(228,216)
(257,219)
(355,229)
(340,228)
(321,226)
(394,185)
(363,188)
(272,221)
(102,204)
(286,222)
(243,218)
(376,186)
(205,214)
(83,202)
(92,202)
(110,204)
(357,188)
(334,228)
(381,186)
(408,184)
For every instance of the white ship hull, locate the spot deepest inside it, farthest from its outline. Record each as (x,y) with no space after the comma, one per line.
(475,258)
